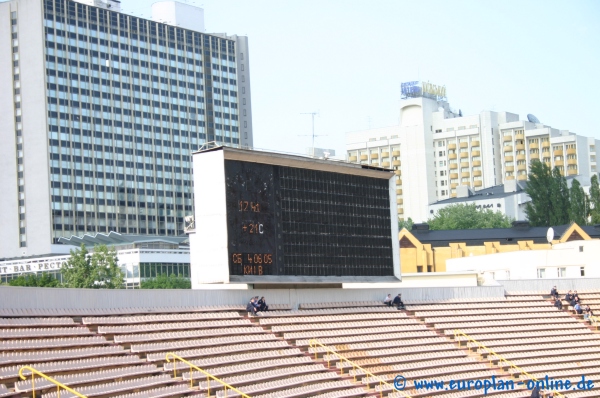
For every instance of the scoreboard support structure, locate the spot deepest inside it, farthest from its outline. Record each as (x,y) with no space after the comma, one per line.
(264,218)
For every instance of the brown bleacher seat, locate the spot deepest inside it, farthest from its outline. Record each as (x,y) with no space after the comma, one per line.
(12,372)
(329,311)
(188,334)
(36,322)
(192,343)
(220,349)
(255,375)
(161,326)
(342,304)
(176,390)
(261,354)
(61,342)
(75,379)
(17,333)
(118,387)
(8,358)
(128,320)
(278,385)
(240,368)
(300,318)
(5,392)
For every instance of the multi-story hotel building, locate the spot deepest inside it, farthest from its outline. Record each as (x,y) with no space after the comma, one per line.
(435,149)
(101,112)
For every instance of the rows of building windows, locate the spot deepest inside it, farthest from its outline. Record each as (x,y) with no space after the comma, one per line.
(18,130)
(129,100)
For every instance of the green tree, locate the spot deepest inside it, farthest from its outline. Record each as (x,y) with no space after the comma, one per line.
(163,281)
(466,216)
(100,270)
(559,199)
(549,195)
(577,204)
(538,188)
(38,280)
(594,199)
(405,224)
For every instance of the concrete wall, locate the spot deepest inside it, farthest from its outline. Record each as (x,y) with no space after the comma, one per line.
(562,284)
(50,298)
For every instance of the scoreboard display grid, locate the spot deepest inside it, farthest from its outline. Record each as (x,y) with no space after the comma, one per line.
(293,221)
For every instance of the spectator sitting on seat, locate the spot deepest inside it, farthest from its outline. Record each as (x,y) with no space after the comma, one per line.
(569,297)
(388,300)
(535,393)
(554,292)
(575,295)
(578,309)
(575,301)
(398,301)
(262,304)
(251,307)
(558,304)
(586,313)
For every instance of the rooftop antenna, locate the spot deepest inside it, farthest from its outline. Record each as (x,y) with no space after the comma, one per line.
(313,114)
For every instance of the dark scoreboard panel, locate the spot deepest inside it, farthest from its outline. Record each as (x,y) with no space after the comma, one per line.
(293,221)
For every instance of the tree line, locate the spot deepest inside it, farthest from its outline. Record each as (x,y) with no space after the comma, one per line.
(97,270)
(554,203)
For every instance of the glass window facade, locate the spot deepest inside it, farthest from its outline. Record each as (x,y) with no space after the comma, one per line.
(128,101)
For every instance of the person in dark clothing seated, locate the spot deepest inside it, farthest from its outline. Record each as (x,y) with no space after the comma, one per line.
(251,307)
(554,292)
(558,304)
(575,295)
(262,304)
(575,301)
(398,301)
(569,297)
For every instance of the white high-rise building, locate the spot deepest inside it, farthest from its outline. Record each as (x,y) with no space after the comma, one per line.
(101,112)
(435,149)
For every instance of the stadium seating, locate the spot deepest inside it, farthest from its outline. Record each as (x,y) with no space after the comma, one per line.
(121,353)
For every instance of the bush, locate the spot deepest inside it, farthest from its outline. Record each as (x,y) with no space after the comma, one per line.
(35,280)
(167,282)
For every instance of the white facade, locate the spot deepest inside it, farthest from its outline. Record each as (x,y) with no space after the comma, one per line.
(101,112)
(573,259)
(434,151)
(136,263)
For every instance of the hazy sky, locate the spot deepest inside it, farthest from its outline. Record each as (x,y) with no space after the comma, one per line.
(346,60)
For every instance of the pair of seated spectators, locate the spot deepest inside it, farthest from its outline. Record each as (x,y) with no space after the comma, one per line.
(572,298)
(255,305)
(397,301)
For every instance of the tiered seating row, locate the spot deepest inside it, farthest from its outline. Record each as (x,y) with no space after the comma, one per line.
(114,388)
(235,358)
(215,341)
(188,334)
(36,344)
(218,350)
(67,366)
(157,327)
(299,318)
(128,320)
(7,358)
(343,304)
(91,377)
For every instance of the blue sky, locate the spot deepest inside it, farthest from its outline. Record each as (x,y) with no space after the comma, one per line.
(346,60)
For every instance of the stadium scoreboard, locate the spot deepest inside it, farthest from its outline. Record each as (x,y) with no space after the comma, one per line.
(290,216)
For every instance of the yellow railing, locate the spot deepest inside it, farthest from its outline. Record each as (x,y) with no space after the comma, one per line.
(208,375)
(58,384)
(500,357)
(313,343)
(595,321)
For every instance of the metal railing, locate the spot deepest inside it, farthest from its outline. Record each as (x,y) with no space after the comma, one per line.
(208,375)
(500,358)
(314,342)
(58,384)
